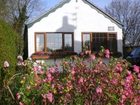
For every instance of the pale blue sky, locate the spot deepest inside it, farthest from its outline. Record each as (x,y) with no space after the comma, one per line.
(47,4)
(100,3)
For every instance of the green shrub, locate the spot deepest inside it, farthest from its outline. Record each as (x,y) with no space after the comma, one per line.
(7,44)
(8,52)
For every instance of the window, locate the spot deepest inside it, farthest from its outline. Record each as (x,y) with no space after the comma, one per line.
(94,41)
(39,42)
(54,41)
(112,42)
(68,43)
(99,39)
(86,41)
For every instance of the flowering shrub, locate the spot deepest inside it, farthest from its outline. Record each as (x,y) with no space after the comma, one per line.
(79,81)
(10,80)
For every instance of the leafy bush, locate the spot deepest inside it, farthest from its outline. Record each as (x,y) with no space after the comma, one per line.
(80,81)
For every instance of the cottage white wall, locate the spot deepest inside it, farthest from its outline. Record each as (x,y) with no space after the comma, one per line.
(74,17)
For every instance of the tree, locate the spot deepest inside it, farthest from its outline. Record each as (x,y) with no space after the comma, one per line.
(3,9)
(128,13)
(16,13)
(20,11)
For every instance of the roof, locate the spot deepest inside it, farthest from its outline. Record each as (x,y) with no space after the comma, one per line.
(59,5)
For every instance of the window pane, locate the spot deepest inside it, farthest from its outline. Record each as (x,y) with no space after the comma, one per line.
(39,42)
(112,42)
(68,42)
(54,41)
(86,41)
(99,39)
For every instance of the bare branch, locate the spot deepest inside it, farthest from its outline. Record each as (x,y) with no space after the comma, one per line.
(127,12)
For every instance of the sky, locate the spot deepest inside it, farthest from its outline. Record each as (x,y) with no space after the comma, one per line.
(47,4)
(100,3)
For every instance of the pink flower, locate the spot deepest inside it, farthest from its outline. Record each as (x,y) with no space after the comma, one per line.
(20,103)
(48,74)
(119,68)
(52,70)
(98,90)
(114,81)
(44,80)
(123,97)
(49,97)
(92,56)
(129,72)
(18,96)
(38,69)
(49,77)
(107,56)
(107,53)
(35,68)
(136,68)
(72,71)
(81,80)
(129,78)
(6,64)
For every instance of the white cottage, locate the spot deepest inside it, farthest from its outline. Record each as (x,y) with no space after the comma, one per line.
(74,25)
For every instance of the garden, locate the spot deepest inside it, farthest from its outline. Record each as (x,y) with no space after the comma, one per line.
(76,80)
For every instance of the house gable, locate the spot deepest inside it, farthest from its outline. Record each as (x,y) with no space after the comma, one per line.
(29,24)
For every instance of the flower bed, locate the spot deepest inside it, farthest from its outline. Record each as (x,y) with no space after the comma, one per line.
(51,55)
(80,82)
